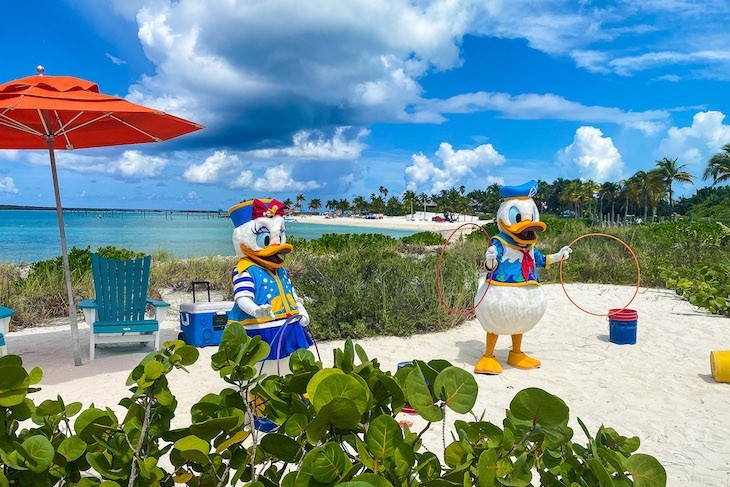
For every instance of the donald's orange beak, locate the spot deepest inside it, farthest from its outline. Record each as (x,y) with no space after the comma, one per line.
(524,232)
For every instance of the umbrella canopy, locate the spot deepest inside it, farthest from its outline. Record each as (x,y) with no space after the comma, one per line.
(62,112)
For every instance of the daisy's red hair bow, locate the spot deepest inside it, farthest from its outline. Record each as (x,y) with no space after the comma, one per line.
(274,207)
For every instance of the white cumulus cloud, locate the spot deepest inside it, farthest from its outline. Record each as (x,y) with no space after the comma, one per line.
(278,179)
(311,144)
(135,164)
(696,143)
(592,155)
(451,167)
(7,185)
(213,169)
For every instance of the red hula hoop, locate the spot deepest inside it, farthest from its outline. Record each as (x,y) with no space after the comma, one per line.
(438,272)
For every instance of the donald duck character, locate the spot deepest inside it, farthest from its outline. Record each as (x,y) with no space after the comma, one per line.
(514,300)
(264,296)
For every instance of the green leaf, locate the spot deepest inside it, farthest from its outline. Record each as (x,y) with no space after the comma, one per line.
(454,454)
(599,470)
(397,397)
(330,463)
(341,413)
(188,355)
(73,409)
(419,396)
(101,462)
(317,379)
(193,448)
(14,383)
(340,385)
(281,447)
(457,388)
(38,453)
(72,448)
(295,424)
(153,370)
(92,422)
(238,437)
(487,468)
(211,428)
(383,437)
(539,407)
(4,480)
(36,374)
(646,471)
(370,479)
(11,360)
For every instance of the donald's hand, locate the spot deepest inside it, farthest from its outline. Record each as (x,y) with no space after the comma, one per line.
(491,258)
(565,252)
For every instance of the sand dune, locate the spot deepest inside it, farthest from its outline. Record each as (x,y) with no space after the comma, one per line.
(659,389)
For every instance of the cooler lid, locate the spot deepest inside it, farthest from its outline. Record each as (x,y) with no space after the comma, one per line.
(212,307)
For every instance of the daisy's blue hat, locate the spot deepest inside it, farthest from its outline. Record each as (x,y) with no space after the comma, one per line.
(523,191)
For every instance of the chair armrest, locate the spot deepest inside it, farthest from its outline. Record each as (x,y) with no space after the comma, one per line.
(88,303)
(6,312)
(89,307)
(159,307)
(157,304)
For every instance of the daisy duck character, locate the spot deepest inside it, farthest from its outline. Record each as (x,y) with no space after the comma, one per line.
(514,301)
(264,296)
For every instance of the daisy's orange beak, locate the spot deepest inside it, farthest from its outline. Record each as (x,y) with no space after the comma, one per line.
(272,256)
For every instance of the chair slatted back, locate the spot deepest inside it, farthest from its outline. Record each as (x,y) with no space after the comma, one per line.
(121,287)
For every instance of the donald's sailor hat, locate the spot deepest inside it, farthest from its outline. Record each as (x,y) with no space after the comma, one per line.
(523,191)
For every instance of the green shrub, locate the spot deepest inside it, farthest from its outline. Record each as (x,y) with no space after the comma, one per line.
(336,427)
(705,287)
(424,238)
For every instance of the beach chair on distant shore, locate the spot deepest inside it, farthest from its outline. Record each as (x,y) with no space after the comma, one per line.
(5,314)
(117,314)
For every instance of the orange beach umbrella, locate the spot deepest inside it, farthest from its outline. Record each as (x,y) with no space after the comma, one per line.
(62,112)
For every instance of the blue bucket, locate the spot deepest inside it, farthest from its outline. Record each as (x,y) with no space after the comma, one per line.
(622,326)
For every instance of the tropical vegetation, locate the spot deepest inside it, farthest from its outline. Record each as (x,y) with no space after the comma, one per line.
(335,427)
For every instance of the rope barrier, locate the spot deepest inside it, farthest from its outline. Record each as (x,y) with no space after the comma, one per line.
(438,272)
(638,275)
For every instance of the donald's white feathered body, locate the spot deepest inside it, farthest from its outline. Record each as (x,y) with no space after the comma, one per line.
(514,302)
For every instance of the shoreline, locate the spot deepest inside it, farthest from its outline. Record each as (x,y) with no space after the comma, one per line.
(418,224)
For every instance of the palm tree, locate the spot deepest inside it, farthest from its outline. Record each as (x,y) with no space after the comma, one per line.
(612,191)
(288,202)
(649,188)
(671,172)
(300,199)
(359,203)
(384,191)
(409,197)
(315,204)
(719,166)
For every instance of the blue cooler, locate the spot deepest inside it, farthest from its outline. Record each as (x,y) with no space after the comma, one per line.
(202,324)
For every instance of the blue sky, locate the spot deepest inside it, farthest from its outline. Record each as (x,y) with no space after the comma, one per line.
(336,98)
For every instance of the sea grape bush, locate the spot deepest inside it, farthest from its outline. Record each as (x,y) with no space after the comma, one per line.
(336,427)
(706,287)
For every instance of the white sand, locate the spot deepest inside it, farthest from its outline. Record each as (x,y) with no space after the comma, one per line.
(660,389)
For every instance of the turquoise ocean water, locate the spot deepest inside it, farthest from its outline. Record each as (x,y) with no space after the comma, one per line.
(30,235)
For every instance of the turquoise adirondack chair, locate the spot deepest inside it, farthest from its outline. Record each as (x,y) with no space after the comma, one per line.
(118,312)
(5,314)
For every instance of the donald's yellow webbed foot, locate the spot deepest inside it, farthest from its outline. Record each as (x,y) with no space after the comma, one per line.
(522,361)
(488,365)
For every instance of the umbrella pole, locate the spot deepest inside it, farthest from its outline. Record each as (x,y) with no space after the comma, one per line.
(64,253)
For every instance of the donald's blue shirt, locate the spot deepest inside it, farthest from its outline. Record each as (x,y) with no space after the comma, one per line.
(510,269)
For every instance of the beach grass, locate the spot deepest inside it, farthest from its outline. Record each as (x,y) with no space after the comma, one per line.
(370,285)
